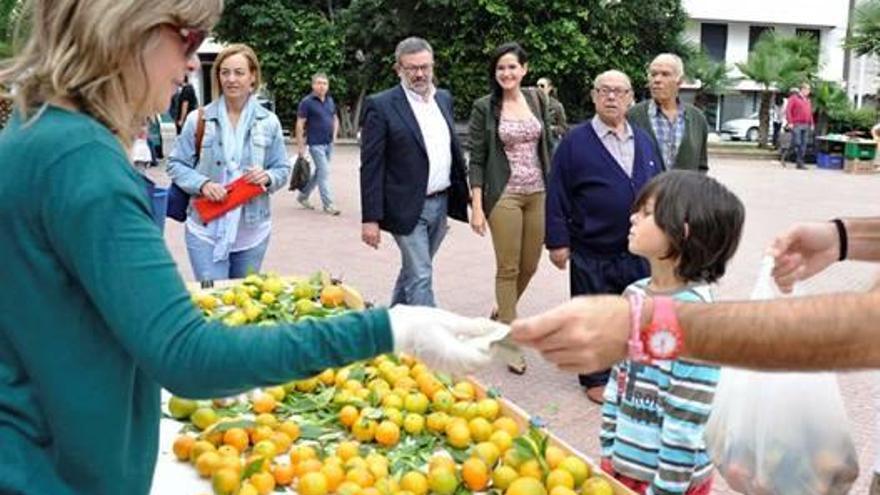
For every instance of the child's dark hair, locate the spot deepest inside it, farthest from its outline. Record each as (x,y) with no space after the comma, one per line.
(701,218)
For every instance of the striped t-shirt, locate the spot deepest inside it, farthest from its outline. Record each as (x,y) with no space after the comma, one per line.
(654,414)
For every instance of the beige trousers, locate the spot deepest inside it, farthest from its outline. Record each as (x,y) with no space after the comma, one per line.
(517,226)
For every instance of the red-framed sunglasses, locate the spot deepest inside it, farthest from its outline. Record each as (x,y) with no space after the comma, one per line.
(192,38)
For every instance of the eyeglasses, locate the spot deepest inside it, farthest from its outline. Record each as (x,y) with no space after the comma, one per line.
(415,69)
(605,91)
(192,39)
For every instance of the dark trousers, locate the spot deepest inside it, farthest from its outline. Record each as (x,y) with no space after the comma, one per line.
(800,135)
(605,275)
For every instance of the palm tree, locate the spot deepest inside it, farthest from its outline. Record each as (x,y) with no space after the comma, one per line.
(865,37)
(714,78)
(829,101)
(775,61)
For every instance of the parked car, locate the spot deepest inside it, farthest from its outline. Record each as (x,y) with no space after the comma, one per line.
(742,129)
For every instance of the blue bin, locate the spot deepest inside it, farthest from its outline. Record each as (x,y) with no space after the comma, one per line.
(159,198)
(829,161)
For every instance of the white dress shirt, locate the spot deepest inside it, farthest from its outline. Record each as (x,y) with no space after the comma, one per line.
(438,141)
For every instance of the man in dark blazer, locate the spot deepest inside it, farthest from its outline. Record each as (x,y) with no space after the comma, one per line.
(679,130)
(412,170)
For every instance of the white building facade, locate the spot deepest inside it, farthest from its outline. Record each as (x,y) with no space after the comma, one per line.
(728,29)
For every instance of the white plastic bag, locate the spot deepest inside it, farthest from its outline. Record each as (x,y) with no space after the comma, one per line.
(780,433)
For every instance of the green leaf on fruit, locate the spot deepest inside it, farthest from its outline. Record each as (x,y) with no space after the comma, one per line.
(252,468)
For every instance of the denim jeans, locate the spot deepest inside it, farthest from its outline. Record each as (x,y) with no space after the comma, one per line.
(415,281)
(237,265)
(800,133)
(320,154)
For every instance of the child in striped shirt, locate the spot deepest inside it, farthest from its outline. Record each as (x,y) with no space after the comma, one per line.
(687,226)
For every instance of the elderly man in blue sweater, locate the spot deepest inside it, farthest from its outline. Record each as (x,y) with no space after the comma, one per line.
(598,170)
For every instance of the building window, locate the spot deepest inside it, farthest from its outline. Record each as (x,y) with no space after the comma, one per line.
(713,39)
(755,33)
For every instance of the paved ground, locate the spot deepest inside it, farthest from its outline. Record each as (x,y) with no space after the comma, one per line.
(303,241)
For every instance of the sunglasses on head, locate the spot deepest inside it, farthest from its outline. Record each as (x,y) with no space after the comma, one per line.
(192,38)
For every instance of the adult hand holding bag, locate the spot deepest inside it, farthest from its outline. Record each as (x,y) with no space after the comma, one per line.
(300,175)
(774,433)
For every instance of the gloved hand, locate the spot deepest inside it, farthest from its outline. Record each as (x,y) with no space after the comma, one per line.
(444,341)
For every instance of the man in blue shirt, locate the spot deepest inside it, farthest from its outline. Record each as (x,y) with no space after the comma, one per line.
(316,119)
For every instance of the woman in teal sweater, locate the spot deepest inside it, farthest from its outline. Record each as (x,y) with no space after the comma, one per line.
(94,317)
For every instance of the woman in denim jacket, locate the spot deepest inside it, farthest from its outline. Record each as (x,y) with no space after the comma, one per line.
(241,139)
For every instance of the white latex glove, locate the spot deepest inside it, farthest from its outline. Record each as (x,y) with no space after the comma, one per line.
(444,341)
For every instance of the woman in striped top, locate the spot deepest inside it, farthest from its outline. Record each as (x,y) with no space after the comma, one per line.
(687,226)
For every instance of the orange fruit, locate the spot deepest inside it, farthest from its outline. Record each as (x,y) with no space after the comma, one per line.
(440,461)
(503,476)
(436,421)
(312,484)
(348,488)
(475,474)
(260,433)
(332,296)
(230,462)
(308,466)
(531,468)
(237,438)
(506,424)
(264,482)
(199,448)
(327,376)
(263,403)
(347,450)
(348,415)
(361,476)
(559,477)
(512,458)
(266,448)
(442,481)
(488,408)
(458,435)
(577,467)
(228,451)
(414,423)
(364,430)
(207,463)
(442,400)
(502,440)
(596,486)
(334,474)
(480,428)
(554,456)
(387,486)
(526,486)
(225,482)
(291,429)
(464,391)
(301,453)
(282,441)
(203,417)
(277,392)
(561,490)
(183,447)
(416,403)
(284,474)
(371,490)
(414,482)
(267,419)
(487,452)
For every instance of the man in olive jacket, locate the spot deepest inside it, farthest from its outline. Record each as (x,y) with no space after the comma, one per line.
(679,130)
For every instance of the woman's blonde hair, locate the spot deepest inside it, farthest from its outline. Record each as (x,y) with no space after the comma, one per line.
(248,53)
(92,52)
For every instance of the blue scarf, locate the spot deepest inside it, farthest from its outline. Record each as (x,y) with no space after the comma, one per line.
(233,140)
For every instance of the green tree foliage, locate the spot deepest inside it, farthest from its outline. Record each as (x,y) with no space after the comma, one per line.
(294,40)
(778,62)
(865,38)
(713,77)
(570,41)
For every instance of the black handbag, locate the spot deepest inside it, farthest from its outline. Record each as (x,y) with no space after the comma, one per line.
(178,199)
(300,175)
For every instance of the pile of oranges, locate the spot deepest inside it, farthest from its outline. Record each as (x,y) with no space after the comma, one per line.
(379,410)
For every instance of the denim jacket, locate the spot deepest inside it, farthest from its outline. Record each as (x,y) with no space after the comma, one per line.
(264,147)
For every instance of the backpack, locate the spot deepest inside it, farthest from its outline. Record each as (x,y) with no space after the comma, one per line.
(178,199)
